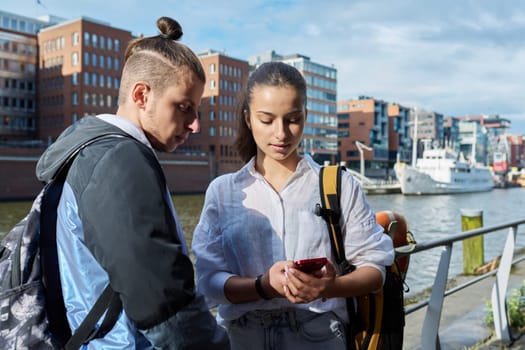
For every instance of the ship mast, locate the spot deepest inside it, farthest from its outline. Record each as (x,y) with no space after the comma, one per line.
(414,139)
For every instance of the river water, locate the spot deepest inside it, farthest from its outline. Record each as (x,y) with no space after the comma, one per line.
(428,217)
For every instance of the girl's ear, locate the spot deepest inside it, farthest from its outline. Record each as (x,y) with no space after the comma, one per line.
(246,115)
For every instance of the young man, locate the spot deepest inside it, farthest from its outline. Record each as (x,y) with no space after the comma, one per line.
(116,223)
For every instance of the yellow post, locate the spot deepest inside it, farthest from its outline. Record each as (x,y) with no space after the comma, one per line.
(473,254)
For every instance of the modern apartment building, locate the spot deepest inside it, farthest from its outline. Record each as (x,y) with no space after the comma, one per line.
(517,150)
(18,74)
(320,132)
(473,142)
(493,135)
(225,78)
(365,120)
(399,138)
(451,133)
(429,128)
(80,62)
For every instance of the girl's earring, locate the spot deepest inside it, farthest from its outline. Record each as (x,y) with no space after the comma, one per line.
(246,119)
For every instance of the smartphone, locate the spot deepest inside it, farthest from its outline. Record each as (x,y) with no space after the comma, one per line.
(310,265)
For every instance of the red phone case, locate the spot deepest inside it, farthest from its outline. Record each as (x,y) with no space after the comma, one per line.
(310,265)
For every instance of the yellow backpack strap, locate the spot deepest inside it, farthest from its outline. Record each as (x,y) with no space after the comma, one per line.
(330,210)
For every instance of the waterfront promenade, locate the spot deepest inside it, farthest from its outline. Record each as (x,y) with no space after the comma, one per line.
(462,320)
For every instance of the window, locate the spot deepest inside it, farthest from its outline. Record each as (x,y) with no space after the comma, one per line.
(74,99)
(109,62)
(101,80)
(74,59)
(117,45)
(102,42)
(108,82)
(94,79)
(109,100)
(75,39)
(212,68)
(94,60)
(102,61)
(116,64)
(86,98)
(117,83)
(94,99)
(86,78)
(94,40)
(86,58)
(86,38)
(110,44)
(212,84)
(74,78)
(212,115)
(74,118)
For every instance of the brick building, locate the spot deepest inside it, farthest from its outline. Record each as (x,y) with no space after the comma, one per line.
(80,63)
(225,78)
(364,120)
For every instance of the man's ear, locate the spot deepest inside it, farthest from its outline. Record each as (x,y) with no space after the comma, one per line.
(140,93)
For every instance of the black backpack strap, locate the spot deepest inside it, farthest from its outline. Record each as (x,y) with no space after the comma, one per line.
(109,301)
(55,308)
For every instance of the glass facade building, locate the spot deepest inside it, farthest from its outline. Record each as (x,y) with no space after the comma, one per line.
(18,85)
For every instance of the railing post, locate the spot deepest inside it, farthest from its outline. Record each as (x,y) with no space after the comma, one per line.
(499,290)
(430,332)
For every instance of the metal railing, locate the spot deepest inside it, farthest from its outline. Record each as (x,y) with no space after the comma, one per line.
(429,333)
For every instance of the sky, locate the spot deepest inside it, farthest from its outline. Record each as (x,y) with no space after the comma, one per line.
(454,57)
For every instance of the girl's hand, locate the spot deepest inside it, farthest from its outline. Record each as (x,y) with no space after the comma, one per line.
(274,280)
(302,287)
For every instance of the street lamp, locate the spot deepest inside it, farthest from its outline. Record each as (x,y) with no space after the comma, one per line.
(360,147)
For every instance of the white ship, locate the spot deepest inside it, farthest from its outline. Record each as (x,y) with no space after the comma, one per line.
(440,171)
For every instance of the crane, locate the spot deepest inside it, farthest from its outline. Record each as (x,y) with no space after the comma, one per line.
(360,147)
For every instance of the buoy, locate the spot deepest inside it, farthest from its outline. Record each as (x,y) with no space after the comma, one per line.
(395,225)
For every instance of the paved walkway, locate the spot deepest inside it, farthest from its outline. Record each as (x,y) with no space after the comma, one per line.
(462,319)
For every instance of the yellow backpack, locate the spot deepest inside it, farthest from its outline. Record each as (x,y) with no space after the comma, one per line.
(377,319)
